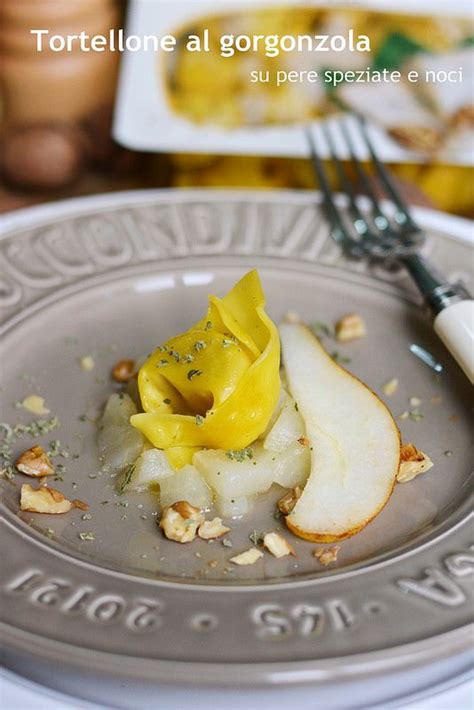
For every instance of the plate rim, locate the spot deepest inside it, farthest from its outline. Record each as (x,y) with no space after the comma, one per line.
(454,226)
(264,672)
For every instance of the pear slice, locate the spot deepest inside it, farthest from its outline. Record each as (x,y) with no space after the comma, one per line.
(355,443)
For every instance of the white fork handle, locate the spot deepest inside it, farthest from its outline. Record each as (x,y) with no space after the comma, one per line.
(455,327)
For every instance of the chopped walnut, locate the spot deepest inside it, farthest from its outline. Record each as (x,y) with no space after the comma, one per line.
(390,387)
(87,363)
(412,463)
(210,529)
(249,557)
(35,462)
(278,545)
(350,327)
(421,138)
(47,500)
(303,440)
(326,556)
(123,370)
(181,521)
(289,500)
(415,401)
(35,404)
(464,116)
(292,317)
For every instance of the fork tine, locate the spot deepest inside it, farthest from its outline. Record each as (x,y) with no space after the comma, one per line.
(360,224)
(339,231)
(380,220)
(402,216)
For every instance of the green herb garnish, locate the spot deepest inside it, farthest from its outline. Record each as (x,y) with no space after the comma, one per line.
(337,357)
(193,373)
(87,536)
(59,472)
(36,428)
(320,328)
(56,450)
(240,455)
(126,478)
(199,420)
(255,537)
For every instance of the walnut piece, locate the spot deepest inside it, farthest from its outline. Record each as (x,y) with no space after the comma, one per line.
(328,555)
(123,370)
(35,462)
(47,500)
(87,363)
(181,521)
(412,463)
(277,545)
(350,327)
(249,557)
(292,317)
(464,116)
(210,529)
(421,138)
(289,500)
(390,387)
(35,404)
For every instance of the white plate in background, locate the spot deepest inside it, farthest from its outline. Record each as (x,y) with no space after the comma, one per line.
(144,120)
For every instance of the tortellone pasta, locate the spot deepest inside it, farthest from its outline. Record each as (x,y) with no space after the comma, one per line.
(216,385)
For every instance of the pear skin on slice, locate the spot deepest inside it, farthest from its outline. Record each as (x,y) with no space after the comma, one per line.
(354,441)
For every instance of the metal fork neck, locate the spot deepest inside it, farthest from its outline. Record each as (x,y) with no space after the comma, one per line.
(437,294)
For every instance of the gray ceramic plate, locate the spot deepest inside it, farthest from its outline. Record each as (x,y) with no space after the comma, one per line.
(113,276)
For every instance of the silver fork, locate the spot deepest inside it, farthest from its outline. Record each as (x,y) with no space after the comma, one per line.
(376,236)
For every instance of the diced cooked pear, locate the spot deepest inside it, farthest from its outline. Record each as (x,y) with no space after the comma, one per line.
(186,484)
(151,467)
(288,428)
(119,443)
(291,468)
(232,478)
(354,442)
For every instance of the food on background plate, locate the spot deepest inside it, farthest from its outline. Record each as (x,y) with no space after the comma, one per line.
(207,88)
(215,422)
